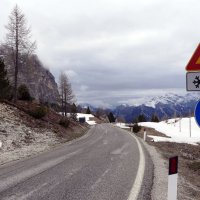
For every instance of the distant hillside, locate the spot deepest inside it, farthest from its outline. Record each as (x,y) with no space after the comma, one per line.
(166,106)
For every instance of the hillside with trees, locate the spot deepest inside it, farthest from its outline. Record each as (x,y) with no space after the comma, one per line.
(23,65)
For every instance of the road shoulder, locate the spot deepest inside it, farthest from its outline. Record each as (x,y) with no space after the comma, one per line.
(146,187)
(188,176)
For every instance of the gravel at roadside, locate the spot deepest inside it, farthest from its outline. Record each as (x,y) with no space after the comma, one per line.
(160,182)
(17,140)
(159,190)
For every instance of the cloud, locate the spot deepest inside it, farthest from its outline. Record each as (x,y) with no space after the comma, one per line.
(109,48)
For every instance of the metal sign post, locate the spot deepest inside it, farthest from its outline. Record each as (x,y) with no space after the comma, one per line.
(190,127)
(179,124)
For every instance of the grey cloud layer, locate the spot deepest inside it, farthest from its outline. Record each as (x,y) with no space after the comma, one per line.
(115,46)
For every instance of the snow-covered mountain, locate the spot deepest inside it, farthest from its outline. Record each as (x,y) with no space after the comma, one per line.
(165,106)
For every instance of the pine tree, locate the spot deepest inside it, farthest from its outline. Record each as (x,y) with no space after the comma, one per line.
(154,118)
(23,93)
(88,110)
(111,117)
(74,112)
(141,118)
(18,39)
(136,128)
(4,83)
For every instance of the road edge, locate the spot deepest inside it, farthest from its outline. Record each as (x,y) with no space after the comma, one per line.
(136,188)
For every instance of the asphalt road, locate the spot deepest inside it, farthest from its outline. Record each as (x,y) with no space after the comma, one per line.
(105,164)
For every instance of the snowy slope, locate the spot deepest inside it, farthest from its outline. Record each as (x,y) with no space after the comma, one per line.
(172,98)
(171,128)
(122,125)
(87,118)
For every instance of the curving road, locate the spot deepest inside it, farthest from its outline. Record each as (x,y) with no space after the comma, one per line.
(106,164)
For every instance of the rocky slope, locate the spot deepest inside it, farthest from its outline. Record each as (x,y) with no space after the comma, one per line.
(22,135)
(39,80)
(18,139)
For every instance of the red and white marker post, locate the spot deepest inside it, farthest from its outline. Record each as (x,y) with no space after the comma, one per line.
(173,178)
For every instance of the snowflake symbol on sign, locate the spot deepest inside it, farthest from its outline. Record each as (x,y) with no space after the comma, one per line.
(197,82)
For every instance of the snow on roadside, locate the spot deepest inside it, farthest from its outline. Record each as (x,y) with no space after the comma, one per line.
(19,140)
(171,128)
(87,117)
(122,125)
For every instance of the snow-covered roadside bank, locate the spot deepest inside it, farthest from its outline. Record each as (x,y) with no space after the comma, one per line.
(18,140)
(177,129)
(122,125)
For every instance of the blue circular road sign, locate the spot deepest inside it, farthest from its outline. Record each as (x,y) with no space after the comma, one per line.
(197,113)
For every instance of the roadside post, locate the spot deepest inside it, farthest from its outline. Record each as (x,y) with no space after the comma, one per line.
(173,178)
(145,135)
(179,124)
(190,125)
(193,81)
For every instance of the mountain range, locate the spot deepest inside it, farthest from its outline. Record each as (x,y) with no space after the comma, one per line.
(166,106)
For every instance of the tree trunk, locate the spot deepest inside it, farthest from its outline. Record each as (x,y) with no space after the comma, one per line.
(16,61)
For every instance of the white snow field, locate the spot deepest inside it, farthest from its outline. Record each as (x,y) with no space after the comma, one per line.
(177,129)
(122,125)
(87,118)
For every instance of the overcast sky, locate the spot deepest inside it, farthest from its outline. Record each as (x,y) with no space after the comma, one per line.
(114,51)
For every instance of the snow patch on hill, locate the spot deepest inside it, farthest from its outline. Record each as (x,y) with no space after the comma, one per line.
(88,118)
(171,128)
(122,125)
(165,98)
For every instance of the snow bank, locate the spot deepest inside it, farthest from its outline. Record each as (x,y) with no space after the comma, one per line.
(177,129)
(87,118)
(122,125)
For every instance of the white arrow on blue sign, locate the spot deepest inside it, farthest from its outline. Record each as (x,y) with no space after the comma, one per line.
(197,113)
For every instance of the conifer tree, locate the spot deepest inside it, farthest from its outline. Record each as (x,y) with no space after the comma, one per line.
(111,117)
(18,39)
(4,83)
(154,118)
(141,118)
(88,110)
(74,112)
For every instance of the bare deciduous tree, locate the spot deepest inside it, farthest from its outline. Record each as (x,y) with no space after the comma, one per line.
(18,40)
(66,93)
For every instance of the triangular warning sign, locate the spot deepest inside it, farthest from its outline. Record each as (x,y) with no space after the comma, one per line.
(194,63)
